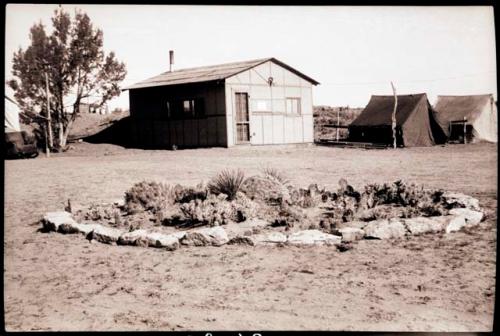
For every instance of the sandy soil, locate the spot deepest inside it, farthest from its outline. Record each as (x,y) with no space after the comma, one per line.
(426,283)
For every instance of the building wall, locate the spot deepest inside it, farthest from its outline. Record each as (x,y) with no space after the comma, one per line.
(151,127)
(269,121)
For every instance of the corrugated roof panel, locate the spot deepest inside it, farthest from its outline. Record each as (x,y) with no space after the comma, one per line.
(198,74)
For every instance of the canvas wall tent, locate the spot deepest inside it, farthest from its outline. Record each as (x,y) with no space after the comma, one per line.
(415,122)
(11,116)
(478,113)
(254,102)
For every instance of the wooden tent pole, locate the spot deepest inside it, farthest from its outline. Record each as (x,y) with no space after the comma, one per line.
(465,130)
(338,123)
(394,116)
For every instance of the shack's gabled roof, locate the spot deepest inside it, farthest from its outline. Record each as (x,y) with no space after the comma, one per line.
(210,73)
(378,112)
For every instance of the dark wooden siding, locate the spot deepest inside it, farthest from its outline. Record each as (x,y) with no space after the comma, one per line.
(153,127)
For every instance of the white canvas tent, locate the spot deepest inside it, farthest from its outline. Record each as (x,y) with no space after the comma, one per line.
(476,114)
(11,116)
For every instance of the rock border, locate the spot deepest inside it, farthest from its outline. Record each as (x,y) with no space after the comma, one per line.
(468,215)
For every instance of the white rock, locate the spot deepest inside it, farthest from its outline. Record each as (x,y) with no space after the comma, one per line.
(130,238)
(384,229)
(86,228)
(119,202)
(313,237)
(350,234)
(215,236)
(238,229)
(472,217)
(52,220)
(462,200)
(105,234)
(269,238)
(178,234)
(156,239)
(419,225)
(455,224)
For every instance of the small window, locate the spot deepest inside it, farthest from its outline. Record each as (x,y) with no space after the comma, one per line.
(262,105)
(293,106)
(166,110)
(192,108)
(187,107)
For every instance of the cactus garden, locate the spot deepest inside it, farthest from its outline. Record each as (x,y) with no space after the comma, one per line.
(267,209)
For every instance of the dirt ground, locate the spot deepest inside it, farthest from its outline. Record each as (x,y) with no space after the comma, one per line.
(426,283)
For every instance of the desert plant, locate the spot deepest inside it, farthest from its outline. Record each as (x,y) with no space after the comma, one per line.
(227,182)
(149,196)
(275,174)
(188,194)
(213,211)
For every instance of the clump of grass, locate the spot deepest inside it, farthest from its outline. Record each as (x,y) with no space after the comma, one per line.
(275,174)
(227,182)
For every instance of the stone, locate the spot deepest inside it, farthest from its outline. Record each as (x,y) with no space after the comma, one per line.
(178,234)
(105,235)
(130,238)
(385,229)
(272,238)
(215,236)
(241,240)
(461,200)
(156,239)
(119,202)
(68,227)
(86,228)
(353,224)
(350,234)
(420,225)
(313,237)
(455,224)
(472,217)
(239,229)
(52,220)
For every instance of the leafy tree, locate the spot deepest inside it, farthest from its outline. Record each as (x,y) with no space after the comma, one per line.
(74,61)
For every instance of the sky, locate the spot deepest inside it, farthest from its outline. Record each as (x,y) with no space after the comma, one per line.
(353,52)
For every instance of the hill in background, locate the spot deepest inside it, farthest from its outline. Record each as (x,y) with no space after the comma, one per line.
(327,115)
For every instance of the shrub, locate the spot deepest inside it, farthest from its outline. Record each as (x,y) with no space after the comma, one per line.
(275,174)
(188,194)
(151,196)
(213,211)
(227,182)
(266,190)
(217,210)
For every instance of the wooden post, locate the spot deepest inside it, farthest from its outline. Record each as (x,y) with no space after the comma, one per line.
(394,116)
(465,130)
(338,123)
(47,152)
(49,121)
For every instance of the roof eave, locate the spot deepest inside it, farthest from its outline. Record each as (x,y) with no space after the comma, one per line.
(135,87)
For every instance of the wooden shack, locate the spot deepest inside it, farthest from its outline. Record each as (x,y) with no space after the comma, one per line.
(258,102)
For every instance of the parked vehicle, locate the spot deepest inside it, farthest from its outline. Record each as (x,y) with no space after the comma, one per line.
(19,146)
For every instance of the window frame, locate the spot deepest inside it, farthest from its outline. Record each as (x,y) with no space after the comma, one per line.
(299,106)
